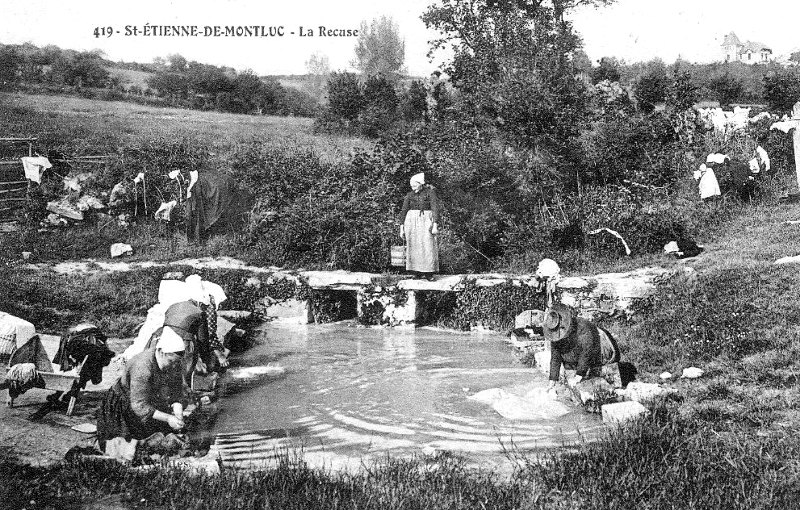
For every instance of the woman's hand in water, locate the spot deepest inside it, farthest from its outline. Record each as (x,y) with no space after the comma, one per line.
(551,388)
(174,422)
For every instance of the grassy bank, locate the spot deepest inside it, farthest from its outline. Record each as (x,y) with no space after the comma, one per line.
(662,462)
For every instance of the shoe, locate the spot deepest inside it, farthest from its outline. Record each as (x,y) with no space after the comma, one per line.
(429,277)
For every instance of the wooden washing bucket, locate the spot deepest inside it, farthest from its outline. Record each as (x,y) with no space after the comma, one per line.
(398,256)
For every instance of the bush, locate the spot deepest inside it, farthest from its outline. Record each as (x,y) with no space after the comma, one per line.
(782,90)
(490,307)
(726,88)
(636,148)
(650,90)
(345,96)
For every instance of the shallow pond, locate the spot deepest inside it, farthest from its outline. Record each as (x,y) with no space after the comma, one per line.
(343,395)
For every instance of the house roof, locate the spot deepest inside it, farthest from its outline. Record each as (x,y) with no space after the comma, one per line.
(731,40)
(756,47)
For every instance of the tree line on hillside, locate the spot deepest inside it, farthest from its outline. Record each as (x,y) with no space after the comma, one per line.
(378,101)
(727,83)
(208,87)
(30,64)
(173,81)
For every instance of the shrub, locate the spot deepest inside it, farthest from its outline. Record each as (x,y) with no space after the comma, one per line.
(638,148)
(345,96)
(682,93)
(490,307)
(414,102)
(782,90)
(727,89)
(650,89)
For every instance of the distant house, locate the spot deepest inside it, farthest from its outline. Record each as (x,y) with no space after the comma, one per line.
(749,52)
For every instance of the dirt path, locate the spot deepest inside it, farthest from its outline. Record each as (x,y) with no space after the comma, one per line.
(45,441)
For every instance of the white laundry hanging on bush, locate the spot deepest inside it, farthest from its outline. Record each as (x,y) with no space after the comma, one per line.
(615,234)
(787,125)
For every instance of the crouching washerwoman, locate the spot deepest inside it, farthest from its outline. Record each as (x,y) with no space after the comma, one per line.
(577,344)
(148,397)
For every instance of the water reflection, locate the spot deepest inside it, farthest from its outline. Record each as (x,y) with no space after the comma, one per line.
(349,393)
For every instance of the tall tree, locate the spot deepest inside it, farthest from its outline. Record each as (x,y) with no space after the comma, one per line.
(513,65)
(318,68)
(9,63)
(380,49)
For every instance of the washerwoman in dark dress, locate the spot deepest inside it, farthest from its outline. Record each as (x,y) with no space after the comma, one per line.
(148,397)
(420,217)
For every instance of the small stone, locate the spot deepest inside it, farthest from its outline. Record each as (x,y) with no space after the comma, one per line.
(120,249)
(665,375)
(645,392)
(621,412)
(692,373)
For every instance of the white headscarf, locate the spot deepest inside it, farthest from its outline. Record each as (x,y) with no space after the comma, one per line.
(170,341)
(196,289)
(716,158)
(418,178)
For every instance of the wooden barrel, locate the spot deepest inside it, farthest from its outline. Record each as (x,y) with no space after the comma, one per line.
(398,256)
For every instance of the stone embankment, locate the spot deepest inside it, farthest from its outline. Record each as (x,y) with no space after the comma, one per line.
(394,298)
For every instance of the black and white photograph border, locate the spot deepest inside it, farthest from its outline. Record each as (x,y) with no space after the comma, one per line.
(380,254)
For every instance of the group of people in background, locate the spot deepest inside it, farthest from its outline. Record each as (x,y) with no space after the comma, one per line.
(740,177)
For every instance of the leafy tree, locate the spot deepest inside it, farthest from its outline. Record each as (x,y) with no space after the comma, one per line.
(650,89)
(247,91)
(80,69)
(380,104)
(608,68)
(345,96)
(512,66)
(9,63)
(726,88)
(413,103)
(318,68)
(582,62)
(682,93)
(380,49)
(380,93)
(782,90)
(177,63)
(171,85)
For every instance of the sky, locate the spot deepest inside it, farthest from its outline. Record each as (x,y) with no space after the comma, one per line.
(634,30)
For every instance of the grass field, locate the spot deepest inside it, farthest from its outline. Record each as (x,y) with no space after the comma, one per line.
(95,127)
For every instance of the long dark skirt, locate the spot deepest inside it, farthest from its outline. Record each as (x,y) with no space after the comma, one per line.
(115,418)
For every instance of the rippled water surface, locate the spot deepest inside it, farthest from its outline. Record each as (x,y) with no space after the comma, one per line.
(344,395)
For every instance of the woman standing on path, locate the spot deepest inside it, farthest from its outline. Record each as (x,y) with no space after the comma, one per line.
(420,217)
